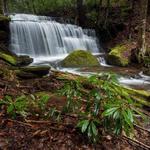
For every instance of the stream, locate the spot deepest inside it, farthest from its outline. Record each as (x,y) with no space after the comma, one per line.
(48,42)
(127,76)
(135,80)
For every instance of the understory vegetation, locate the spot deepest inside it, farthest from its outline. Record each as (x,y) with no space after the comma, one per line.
(97,103)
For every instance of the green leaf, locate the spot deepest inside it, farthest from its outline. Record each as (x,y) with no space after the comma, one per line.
(10,108)
(118,126)
(109,111)
(21,98)
(130,115)
(94,129)
(45,98)
(116,115)
(8,98)
(85,125)
(80,123)
(89,131)
(126,117)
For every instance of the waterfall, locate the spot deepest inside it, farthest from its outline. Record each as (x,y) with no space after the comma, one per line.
(40,36)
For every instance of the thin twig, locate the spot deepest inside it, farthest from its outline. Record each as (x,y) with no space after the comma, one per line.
(137,126)
(138,143)
(20,122)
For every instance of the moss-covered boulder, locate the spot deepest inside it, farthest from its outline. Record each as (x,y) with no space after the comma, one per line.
(14,59)
(119,56)
(80,58)
(33,71)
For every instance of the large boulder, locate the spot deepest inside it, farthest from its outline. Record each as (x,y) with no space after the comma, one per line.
(80,58)
(120,55)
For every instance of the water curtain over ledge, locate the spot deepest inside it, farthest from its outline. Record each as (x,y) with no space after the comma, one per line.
(42,36)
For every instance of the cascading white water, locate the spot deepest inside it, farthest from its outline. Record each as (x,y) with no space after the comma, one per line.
(40,36)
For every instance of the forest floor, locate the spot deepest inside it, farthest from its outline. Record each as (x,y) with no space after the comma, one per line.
(35,132)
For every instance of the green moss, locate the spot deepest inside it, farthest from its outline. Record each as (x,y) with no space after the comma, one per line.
(4,18)
(43,93)
(119,55)
(14,59)
(139,96)
(80,58)
(10,59)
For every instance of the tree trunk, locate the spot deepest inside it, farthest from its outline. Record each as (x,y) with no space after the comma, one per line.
(5,7)
(131,15)
(80,12)
(99,13)
(107,13)
(1,7)
(142,40)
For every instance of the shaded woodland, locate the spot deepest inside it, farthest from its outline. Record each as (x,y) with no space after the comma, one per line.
(43,107)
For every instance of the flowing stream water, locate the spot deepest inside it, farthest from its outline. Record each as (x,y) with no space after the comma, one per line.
(47,41)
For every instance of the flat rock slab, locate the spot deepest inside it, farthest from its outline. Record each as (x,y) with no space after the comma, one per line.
(33,71)
(15,60)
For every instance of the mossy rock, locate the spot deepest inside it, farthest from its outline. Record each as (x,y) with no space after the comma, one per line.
(3,35)
(24,60)
(119,56)
(4,19)
(14,59)
(26,75)
(33,71)
(80,58)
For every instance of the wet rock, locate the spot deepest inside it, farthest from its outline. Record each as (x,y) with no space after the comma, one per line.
(24,60)
(119,56)
(26,75)
(80,58)
(33,71)
(14,59)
